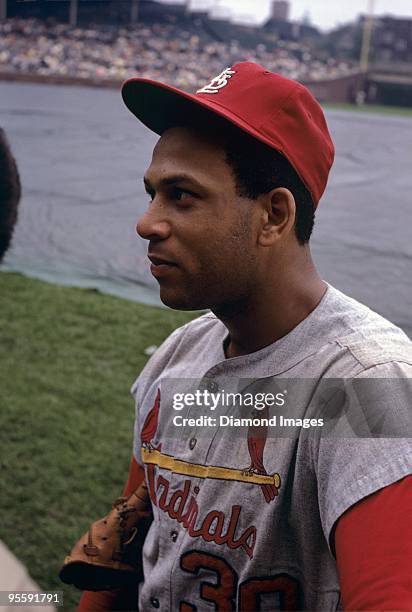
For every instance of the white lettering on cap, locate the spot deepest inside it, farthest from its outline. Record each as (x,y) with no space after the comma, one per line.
(218,82)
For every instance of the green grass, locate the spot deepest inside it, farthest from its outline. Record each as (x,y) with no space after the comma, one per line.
(399,111)
(68,359)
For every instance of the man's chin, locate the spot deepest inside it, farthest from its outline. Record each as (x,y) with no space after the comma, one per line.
(181,302)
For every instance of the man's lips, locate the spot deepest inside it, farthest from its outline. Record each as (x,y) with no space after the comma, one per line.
(160,261)
(160,265)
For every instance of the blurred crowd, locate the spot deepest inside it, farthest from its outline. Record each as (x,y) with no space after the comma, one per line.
(183,57)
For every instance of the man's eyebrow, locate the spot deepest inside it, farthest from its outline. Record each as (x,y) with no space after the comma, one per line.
(167,181)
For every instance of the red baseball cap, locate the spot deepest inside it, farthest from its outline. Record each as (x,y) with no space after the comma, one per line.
(277,111)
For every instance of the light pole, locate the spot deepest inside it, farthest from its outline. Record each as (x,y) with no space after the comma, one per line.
(134,11)
(73,12)
(366,38)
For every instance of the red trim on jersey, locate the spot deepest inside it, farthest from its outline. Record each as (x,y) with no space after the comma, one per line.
(374,550)
(122,599)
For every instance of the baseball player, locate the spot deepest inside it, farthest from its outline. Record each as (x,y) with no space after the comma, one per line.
(247,518)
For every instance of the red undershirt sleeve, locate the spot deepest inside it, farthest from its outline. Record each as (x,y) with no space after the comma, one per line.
(373,542)
(122,599)
(135,478)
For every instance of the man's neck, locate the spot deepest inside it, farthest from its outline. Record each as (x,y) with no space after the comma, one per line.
(262,319)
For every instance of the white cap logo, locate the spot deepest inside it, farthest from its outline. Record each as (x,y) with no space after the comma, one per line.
(218,82)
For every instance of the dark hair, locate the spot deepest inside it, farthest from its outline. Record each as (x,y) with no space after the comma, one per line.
(10,192)
(258,169)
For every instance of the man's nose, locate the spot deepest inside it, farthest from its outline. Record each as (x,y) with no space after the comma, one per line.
(152,224)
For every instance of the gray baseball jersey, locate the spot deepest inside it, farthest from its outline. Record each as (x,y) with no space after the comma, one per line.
(243,513)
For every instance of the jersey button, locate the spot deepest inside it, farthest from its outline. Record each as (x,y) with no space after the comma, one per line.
(174,535)
(212,386)
(155,602)
(192,443)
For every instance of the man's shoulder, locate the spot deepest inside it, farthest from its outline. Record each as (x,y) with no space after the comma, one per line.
(180,345)
(369,337)
(192,331)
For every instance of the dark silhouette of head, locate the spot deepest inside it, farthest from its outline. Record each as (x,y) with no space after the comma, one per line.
(10,192)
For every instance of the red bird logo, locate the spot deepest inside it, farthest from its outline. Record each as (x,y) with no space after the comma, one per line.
(256,441)
(150,426)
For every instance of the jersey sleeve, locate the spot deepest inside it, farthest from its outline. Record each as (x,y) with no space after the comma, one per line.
(373,542)
(145,387)
(374,447)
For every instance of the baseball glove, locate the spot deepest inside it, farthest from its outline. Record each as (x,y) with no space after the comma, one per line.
(108,556)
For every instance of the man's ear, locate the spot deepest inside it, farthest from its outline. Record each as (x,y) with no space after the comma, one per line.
(279,217)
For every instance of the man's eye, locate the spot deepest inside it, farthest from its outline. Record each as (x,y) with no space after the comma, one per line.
(180,194)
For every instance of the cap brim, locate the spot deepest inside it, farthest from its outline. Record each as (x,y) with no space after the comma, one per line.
(161,107)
